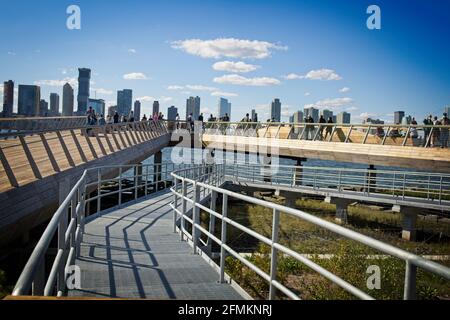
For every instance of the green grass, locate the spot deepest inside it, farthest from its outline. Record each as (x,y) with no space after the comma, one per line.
(349,259)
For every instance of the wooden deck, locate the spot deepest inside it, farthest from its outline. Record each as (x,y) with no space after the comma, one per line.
(413,158)
(132,252)
(26,159)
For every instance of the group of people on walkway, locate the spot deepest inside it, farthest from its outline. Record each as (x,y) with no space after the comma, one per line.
(436,137)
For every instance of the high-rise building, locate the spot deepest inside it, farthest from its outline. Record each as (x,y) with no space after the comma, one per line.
(84,78)
(326,114)
(67,107)
(98,105)
(193,106)
(29,98)
(398,117)
(254,116)
(275,111)
(172,113)
(313,112)
(8,98)
(43,108)
(137,110)
(124,102)
(343,117)
(54,104)
(224,107)
(155,107)
(297,117)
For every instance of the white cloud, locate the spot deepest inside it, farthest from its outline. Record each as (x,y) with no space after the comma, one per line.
(292,76)
(227,47)
(199,87)
(57,83)
(243,81)
(366,115)
(344,90)
(186,92)
(331,104)
(307,94)
(175,87)
(322,74)
(132,50)
(135,76)
(223,94)
(349,109)
(102,91)
(151,99)
(237,67)
(11,53)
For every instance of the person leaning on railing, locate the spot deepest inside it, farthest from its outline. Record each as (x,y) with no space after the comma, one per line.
(444,132)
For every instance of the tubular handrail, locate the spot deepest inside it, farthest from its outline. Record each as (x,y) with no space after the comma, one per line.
(412,261)
(33,275)
(419,135)
(204,180)
(84,126)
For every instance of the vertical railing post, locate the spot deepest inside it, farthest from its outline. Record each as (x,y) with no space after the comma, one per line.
(175,205)
(62,227)
(212,218)
(195,217)
(409,292)
(274,253)
(120,186)
(183,208)
(223,238)
(136,173)
(146,180)
(99,189)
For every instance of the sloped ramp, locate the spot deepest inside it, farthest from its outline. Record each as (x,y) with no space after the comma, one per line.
(132,252)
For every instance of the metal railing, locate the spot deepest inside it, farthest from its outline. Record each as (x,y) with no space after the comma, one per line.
(200,181)
(431,188)
(380,134)
(67,224)
(185,179)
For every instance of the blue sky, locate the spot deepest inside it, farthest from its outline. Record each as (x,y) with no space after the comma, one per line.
(243,50)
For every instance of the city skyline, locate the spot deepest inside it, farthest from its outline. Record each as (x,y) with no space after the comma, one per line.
(372,74)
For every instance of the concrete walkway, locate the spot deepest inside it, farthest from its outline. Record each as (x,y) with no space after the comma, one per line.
(132,252)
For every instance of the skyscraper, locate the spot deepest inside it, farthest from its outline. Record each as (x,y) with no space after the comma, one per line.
(8,98)
(343,117)
(224,108)
(313,112)
(193,106)
(398,117)
(98,105)
(156,107)
(254,116)
(172,113)
(43,108)
(297,117)
(84,78)
(326,114)
(67,107)
(275,111)
(124,102)
(137,110)
(54,104)
(29,98)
